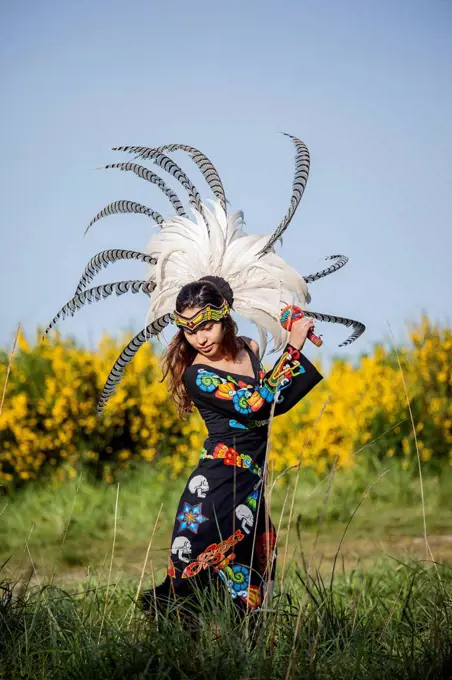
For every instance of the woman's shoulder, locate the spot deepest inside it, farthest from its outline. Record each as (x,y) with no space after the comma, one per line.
(252,344)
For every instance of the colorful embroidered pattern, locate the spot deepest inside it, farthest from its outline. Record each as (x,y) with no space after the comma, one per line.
(254,598)
(232,457)
(207,381)
(191,517)
(245,397)
(265,548)
(237,580)
(214,555)
(251,500)
(206,314)
(171,571)
(224,495)
(287,368)
(251,424)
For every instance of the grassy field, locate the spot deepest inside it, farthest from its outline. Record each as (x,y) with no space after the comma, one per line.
(73,524)
(73,556)
(366,625)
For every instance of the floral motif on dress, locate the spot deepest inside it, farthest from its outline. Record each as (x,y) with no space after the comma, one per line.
(248,398)
(191,517)
(230,456)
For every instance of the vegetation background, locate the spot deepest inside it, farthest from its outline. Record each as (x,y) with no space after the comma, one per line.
(359,484)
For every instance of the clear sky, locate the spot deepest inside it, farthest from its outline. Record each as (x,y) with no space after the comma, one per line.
(366,85)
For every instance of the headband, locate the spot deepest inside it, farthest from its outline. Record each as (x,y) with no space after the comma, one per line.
(207,313)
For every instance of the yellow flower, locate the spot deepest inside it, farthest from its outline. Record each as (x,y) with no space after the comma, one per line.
(350,410)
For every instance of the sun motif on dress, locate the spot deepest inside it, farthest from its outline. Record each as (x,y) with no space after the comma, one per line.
(191,517)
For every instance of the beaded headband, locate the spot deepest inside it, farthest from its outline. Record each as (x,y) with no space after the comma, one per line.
(207,313)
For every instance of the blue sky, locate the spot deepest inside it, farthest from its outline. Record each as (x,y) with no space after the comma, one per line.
(366,85)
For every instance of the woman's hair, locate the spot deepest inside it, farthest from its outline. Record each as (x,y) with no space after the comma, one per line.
(210,290)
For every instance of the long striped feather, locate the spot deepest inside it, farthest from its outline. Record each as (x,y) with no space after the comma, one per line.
(302,162)
(204,164)
(359,327)
(341,262)
(99,293)
(127,355)
(125,207)
(104,258)
(149,176)
(173,169)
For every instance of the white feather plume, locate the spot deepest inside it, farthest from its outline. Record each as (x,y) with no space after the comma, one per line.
(186,250)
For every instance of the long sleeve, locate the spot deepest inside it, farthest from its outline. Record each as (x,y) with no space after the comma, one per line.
(290,379)
(293,376)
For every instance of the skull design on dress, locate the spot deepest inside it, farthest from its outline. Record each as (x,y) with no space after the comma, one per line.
(199,486)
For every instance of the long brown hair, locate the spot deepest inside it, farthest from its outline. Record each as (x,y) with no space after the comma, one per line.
(180,354)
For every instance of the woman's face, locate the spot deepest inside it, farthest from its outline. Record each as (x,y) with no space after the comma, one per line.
(207,338)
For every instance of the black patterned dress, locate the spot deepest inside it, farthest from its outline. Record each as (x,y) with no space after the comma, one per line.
(222,529)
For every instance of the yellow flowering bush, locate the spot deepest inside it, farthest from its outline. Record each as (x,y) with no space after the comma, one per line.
(361,405)
(49,413)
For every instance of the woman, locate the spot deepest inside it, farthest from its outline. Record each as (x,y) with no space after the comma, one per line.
(221,528)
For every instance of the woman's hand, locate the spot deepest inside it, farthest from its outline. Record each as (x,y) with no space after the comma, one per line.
(299,332)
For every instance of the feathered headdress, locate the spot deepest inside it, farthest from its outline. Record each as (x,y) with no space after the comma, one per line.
(210,243)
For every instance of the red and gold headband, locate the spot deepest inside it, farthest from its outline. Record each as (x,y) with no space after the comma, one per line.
(207,313)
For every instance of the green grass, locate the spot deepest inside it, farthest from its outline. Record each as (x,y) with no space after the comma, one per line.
(385,614)
(72,524)
(393,624)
